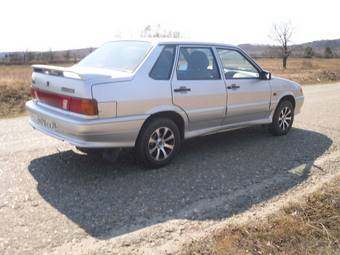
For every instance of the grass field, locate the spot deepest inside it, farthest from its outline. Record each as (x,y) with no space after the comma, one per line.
(304,71)
(15,81)
(310,227)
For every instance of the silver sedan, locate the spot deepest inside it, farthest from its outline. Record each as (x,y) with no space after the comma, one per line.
(152,95)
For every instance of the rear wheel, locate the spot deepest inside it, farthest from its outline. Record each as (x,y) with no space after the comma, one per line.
(158,143)
(283,119)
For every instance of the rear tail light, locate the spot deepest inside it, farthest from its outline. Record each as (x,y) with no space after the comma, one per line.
(83,106)
(68,103)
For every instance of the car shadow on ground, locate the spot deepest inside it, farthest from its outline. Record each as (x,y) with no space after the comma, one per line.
(213,177)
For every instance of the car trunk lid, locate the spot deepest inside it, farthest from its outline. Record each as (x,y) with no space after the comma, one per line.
(73,81)
(60,80)
(69,88)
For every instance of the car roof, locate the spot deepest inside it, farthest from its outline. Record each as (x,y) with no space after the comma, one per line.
(172,41)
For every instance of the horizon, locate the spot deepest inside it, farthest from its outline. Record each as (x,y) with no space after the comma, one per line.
(89,47)
(44,25)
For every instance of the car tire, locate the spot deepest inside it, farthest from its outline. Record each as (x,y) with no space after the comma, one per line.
(283,119)
(158,143)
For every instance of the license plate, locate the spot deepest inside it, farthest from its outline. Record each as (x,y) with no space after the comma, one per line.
(45,123)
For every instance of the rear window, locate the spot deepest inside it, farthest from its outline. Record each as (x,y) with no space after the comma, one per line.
(123,56)
(163,66)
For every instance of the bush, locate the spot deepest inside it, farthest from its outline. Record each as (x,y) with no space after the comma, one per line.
(308,53)
(328,52)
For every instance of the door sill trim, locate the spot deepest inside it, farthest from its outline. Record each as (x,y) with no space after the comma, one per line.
(228,127)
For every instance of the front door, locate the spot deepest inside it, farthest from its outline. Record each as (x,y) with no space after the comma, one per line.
(198,87)
(248,96)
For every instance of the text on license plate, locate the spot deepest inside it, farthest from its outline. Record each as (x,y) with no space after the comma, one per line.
(46,123)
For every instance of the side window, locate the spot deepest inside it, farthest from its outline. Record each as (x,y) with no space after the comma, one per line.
(163,66)
(236,66)
(197,64)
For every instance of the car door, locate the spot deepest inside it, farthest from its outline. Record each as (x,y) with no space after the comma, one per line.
(198,87)
(248,95)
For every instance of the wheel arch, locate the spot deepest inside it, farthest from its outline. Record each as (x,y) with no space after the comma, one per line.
(180,120)
(289,98)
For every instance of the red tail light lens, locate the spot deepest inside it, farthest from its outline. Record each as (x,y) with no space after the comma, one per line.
(83,106)
(72,104)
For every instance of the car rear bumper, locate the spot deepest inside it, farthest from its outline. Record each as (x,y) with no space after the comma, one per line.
(85,132)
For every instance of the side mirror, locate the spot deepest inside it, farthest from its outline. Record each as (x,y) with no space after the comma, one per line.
(265,75)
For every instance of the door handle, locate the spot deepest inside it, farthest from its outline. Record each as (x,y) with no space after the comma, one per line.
(233,86)
(182,89)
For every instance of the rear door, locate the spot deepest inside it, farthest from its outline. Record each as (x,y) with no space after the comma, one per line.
(198,87)
(248,96)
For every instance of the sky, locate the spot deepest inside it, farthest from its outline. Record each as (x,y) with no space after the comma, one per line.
(66,24)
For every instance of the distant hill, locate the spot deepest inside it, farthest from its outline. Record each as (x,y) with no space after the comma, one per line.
(255,50)
(319,47)
(258,50)
(323,44)
(261,50)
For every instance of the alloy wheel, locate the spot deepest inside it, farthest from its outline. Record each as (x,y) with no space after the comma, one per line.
(161,143)
(285,118)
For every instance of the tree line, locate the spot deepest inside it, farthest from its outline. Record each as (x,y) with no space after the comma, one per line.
(328,53)
(46,57)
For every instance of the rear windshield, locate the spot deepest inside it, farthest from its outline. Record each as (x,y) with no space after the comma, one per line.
(120,55)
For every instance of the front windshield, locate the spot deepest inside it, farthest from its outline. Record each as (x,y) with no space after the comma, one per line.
(119,55)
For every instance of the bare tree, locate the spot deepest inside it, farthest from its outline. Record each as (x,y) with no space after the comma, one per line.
(158,31)
(50,56)
(67,55)
(146,32)
(282,33)
(30,56)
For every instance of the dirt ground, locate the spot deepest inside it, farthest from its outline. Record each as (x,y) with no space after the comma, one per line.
(310,226)
(54,200)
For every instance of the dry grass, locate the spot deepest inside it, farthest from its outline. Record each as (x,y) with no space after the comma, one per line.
(304,71)
(15,84)
(15,80)
(310,227)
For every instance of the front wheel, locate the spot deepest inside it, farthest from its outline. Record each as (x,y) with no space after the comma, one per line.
(158,143)
(283,119)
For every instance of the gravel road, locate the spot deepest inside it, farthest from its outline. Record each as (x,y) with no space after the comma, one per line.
(54,200)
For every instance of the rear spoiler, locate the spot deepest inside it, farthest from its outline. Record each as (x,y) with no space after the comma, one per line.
(56,71)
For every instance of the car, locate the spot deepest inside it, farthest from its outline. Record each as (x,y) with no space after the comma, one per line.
(154,94)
